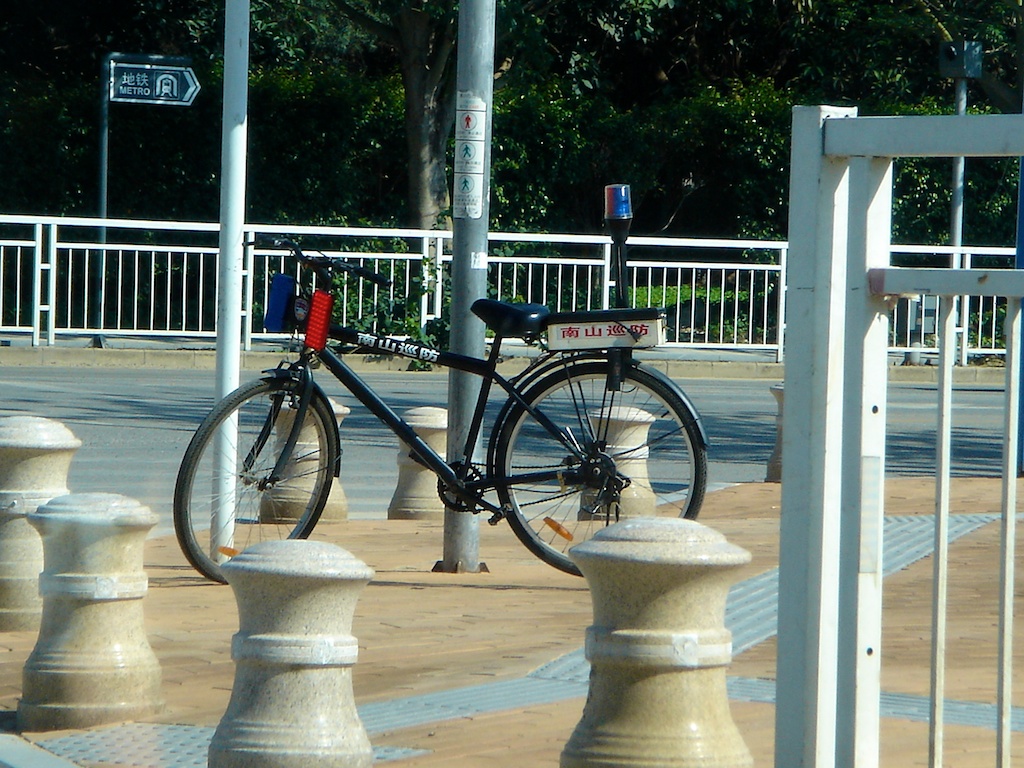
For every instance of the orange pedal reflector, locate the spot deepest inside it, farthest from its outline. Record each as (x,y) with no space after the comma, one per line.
(229,551)
(558,528)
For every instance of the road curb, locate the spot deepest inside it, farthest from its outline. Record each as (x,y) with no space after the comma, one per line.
(206,359)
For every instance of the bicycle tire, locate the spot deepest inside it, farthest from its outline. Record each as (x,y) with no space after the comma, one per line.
(658,445)
(209,473)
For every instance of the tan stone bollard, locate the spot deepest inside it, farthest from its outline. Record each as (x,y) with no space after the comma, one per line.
(658,648)
(336,507)
(627,430)
(292,704)
(288,498)
(774,473)
(92,663)
(35,455)
(415,496)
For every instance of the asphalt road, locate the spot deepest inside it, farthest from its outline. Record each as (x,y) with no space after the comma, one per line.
(135,424)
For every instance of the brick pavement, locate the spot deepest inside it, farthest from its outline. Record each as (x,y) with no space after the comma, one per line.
(421,632)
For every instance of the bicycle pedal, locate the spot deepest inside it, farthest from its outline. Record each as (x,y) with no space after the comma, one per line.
(496,518)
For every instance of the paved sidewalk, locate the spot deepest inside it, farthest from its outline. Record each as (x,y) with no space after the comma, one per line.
(483,669)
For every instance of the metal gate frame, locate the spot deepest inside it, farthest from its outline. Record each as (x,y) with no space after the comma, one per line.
(839,287)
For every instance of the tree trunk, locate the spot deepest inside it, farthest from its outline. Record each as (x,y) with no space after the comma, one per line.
(427,62)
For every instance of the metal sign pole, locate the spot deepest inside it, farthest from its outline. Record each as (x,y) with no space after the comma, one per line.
(104,137)
(138,79)
(475,86)
(99,266)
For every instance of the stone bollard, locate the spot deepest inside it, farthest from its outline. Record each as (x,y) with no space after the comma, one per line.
(627,429)
(287,499)
(92,663)
(658,648)
(415,496)
(336,507)
(774,474)
(35,455)
(292,704)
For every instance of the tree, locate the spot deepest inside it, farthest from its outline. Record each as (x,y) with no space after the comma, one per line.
(422,34)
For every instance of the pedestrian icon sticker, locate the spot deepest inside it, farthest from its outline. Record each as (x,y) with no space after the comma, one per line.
(469,157)
(469,126)
(468,196)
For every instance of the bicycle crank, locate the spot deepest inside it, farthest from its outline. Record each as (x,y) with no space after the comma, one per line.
(460,498)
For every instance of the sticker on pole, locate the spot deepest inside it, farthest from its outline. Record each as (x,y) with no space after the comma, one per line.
(468,196)
(470,148)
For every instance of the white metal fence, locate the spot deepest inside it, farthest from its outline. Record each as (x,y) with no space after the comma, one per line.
(63,276)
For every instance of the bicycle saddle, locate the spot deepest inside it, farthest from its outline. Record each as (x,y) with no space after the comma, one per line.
(515,320)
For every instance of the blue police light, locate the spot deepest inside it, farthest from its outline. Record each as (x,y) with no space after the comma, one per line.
(617,202)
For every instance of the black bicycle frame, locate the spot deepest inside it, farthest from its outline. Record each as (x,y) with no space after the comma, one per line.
(470,490)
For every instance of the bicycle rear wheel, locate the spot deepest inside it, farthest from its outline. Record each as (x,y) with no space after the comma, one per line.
(643,431)
(223,500)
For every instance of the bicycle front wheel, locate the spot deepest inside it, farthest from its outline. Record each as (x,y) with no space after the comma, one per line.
(641,435)
(225,499)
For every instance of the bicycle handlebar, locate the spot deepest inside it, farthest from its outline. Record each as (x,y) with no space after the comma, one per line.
(324,265)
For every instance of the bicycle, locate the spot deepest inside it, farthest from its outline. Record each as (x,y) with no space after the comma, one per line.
(587,435)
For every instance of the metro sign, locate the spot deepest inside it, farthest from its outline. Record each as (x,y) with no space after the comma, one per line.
(152,84)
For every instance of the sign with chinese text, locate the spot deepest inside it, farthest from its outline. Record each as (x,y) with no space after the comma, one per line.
(162,84)
(602,334)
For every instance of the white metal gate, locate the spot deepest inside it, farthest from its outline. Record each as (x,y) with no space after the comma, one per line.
(839,288)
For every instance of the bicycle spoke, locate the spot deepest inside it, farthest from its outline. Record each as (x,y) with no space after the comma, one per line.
(641,457)
(224,502)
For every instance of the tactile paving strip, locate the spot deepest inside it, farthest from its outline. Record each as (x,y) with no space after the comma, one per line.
(751,612)
(896,705)
(152,745)
(136,744)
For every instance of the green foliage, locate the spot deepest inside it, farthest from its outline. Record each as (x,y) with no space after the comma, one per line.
(47,160)
(321,150)
(708,164)
(328,156)
(689,102)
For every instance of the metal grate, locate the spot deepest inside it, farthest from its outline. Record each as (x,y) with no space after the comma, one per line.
(151,745)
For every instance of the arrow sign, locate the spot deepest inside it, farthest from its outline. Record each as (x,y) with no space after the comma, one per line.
(153,84)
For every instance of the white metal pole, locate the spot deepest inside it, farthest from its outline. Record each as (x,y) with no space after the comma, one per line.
(956,219)
(1007,591)
(780,325)
(232,193)
(51,284)
(805,716)
(940,577)
(232,254)
(37,285)
(863,482)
